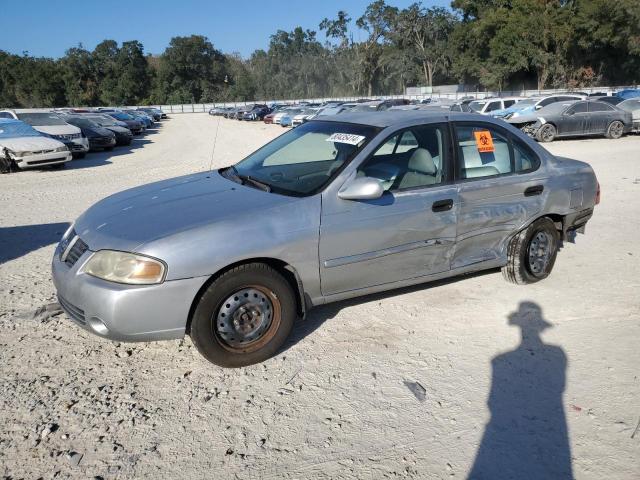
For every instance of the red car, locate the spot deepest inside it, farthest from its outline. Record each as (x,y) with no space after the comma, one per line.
(268,118)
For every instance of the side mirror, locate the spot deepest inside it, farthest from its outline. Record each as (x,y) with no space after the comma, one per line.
(363,188)
(538,107)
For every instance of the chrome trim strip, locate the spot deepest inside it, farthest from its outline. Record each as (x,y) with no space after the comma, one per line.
(65,254)
(363,257)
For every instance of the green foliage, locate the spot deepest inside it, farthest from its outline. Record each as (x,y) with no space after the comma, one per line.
(497,44)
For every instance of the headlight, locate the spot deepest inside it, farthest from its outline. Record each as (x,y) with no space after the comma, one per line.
(21,154)
(515,114)
(62,149)
(122,267)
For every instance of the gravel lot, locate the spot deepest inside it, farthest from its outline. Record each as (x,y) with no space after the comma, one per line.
(393,385)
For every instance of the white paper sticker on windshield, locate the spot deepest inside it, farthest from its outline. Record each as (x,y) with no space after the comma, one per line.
(346,138)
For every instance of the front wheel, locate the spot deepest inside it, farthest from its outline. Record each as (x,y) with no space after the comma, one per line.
(615,129)
(546,133)
(244,316)
(532,253)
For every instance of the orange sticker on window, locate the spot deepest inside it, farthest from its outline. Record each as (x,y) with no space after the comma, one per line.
(484,142)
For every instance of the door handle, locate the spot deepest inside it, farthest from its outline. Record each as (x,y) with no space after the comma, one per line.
(535,190)
(442,205)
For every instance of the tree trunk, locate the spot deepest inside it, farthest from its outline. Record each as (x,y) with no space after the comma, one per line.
(370,89)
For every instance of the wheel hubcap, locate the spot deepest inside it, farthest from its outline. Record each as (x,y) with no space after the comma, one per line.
(244,317)
(616,129)
(539,252)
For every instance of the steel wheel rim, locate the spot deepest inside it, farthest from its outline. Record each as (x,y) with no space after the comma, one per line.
(247,319)
(539,252)
(616,129)
(547,134)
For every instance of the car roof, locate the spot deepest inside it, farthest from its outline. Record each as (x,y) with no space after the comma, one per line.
(390,118)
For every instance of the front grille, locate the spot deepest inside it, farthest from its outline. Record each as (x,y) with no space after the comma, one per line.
(75,252)
(40,162)
(68,136)
(74,312)
(76,147)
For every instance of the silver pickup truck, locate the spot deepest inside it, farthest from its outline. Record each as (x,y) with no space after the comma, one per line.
(338,207)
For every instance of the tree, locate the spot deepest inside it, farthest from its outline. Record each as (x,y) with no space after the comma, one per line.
(424,34)
(133,74)
(79,76)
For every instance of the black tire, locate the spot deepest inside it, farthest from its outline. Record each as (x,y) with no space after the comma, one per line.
(520,268)
(204,325)
(615,129)
(546,133)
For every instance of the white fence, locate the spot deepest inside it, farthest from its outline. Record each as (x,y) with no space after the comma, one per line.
(205,107)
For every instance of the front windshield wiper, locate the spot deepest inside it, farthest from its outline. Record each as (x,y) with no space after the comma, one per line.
(244,179)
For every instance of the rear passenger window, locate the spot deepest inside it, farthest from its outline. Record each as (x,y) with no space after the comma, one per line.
(524,158)
(493,106)
(482,152)
(596,106)
(508,103)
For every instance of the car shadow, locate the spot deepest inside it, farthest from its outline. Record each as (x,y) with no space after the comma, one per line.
(526,437)
(320,314)
(101,157)
(16,242)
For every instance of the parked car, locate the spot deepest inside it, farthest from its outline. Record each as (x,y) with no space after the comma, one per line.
(99,138)
(529,105)
(256,113)
(133,124)
(143,117)
(281,113)
(331,210)
(287,119)
(491,104)
(305,115)
(268,118)
(218,111)
(574,119)
(331,110)
(629,93)
(51,124)
(120,130)
(155,115)
(379,105)
(632,105)
(22,146)
(462,105)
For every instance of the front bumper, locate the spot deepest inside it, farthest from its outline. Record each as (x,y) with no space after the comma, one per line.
(128,313)
(42,159)
(101,142)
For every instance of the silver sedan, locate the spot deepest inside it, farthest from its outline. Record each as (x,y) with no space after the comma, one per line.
(336,208)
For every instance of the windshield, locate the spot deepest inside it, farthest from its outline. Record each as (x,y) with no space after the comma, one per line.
(82,122)
(630,105)
(303,160)
(102,120)
(16,129)
(121,116)
(41,119)
(365,107)
(527,103)
(477,105)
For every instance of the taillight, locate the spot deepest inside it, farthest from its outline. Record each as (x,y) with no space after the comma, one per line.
(598,194)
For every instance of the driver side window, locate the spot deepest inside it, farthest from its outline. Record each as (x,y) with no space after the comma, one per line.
(412,158)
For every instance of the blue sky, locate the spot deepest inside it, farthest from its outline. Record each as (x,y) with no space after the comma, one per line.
(48,28)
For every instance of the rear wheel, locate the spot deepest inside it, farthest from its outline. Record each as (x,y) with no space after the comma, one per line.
(546,133)
(532,253)
(244,316)
(615,129)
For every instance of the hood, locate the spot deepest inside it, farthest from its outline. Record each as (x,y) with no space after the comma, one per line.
(526,117)
(57,129)
(97,131)
(118,129)
(130,219)
(22,144)
(513,109)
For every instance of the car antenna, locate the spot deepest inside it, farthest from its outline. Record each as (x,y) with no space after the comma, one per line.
(215,140)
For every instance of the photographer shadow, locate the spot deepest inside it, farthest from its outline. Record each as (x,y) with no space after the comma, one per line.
(526,437)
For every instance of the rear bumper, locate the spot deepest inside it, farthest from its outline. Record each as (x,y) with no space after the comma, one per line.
(124,312)
(575,223)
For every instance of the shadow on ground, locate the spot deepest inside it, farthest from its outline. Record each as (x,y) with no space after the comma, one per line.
(318,315)
(526,437)
(99,158)
(16,242)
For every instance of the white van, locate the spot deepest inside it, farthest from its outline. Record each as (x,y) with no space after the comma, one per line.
(28,148)
(487,105)
(53,125)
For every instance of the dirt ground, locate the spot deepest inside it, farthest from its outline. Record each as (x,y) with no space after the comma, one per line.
(428,382)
